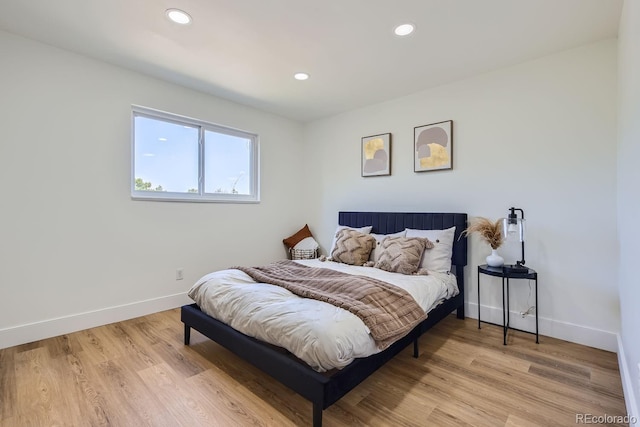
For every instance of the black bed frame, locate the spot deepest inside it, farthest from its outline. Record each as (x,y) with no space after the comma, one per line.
(322,389)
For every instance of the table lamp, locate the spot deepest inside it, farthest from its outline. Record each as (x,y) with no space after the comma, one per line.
(513,228)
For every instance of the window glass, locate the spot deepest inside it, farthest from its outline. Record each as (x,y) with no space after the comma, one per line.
(182,159)
(227,160)
(166,156)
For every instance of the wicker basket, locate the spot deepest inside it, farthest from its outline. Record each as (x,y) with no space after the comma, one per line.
(303,253)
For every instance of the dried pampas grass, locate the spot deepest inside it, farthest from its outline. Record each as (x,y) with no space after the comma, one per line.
(489,231)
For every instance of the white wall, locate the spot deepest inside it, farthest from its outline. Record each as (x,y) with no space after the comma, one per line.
(539,136)
(628,199)
(75,250)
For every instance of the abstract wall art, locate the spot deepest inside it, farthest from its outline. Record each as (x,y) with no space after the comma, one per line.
(433,147)
(376,155)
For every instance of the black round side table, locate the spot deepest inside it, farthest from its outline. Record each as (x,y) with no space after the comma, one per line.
(506,274)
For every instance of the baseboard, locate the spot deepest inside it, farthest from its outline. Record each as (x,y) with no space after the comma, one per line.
(30,332)
(627,384)
(578,334)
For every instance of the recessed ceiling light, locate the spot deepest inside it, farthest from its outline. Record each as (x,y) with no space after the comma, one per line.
(301,76)
(404,29)
(178,16)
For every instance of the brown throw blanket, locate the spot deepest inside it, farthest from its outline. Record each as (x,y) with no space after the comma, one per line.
(388,311)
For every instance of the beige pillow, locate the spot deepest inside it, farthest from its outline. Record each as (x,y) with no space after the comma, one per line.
(363,230)
(379,238)
(401,254)
(352,247)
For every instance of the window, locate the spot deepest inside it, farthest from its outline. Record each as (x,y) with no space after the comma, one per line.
(182,159)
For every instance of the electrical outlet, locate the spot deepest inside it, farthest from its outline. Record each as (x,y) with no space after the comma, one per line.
(180,273)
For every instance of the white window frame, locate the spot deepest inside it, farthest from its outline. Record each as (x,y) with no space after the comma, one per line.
(201,195)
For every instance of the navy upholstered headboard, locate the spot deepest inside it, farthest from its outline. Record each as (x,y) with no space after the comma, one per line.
(392,222)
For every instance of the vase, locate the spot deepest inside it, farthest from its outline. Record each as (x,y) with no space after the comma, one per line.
(495,260)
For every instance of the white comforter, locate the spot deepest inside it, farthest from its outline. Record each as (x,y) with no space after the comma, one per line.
(319,333)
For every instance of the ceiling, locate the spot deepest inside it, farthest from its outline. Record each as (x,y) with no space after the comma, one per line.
(248,50)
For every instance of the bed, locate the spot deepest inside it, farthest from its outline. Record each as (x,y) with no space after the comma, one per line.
(325,388)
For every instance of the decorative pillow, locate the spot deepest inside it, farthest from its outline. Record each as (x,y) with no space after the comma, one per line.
(299,236)
(352,247)
(401,254)
(438,258)
(308,243)
(379,238)
(363,230)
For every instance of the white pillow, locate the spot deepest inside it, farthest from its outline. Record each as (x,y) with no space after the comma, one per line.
(363,230)
(438,258)
(308,243)
(379,238)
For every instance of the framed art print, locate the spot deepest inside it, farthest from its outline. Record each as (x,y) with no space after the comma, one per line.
(432,146)
(376,155)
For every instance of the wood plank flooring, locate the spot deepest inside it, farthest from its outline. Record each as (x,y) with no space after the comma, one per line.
(138,373)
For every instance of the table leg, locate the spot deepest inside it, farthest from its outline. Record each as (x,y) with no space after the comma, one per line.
(537,342)
(478,298)
(508,306)
(504,319)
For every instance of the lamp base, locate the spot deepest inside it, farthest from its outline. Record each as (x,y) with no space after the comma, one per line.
(515,268)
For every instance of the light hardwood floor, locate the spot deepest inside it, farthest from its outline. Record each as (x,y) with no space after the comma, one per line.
(138,373)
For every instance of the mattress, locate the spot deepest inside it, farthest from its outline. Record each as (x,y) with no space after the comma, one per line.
(320,334)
